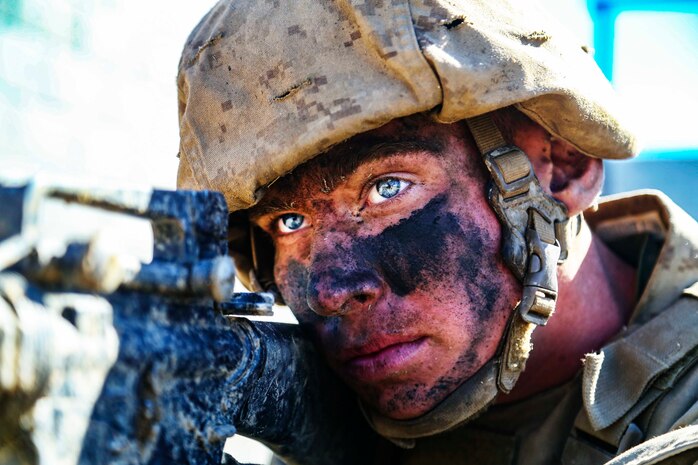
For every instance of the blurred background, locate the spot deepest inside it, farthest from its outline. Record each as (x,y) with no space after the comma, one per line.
(87,89)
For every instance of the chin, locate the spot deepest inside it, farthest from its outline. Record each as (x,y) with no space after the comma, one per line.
(404,401)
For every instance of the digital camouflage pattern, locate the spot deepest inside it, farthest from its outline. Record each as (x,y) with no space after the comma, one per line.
(267,85)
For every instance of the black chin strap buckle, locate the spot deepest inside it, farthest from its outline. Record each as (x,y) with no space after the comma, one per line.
(540,281)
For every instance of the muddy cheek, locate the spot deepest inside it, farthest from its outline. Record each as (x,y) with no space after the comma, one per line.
(292,279)
(412,250)
(430,248)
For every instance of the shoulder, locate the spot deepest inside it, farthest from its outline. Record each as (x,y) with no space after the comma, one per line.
(640,393)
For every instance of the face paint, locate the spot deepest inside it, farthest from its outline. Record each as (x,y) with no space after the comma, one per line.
(414,255)
(431,294)
(417,251)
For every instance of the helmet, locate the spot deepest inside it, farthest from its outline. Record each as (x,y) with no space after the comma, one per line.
(265,87)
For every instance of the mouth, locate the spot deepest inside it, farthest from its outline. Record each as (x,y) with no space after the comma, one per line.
(377,361)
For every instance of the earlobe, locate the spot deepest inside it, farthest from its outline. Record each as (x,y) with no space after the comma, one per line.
(576,178)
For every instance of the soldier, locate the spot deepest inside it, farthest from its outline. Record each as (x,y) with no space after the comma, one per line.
(418,181)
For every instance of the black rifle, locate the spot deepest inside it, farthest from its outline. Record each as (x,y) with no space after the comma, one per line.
(102,364)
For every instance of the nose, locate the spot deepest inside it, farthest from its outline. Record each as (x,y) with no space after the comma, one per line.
(336,291)
(341,281)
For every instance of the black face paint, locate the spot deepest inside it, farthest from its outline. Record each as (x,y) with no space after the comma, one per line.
(416,249)
(421,250)
(427,247)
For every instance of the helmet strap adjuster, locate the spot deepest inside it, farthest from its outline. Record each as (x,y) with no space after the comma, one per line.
(536,232)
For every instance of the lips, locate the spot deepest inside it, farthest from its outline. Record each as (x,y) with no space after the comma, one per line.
(382,359)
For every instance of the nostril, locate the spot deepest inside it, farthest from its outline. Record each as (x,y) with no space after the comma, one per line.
(339,293)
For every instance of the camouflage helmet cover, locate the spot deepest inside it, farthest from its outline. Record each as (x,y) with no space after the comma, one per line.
(264,87)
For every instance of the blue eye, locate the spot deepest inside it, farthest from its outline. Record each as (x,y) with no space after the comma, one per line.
(388,187)
(385,189)
(291,222)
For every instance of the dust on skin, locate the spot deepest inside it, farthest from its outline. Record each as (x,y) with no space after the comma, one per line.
(430,271)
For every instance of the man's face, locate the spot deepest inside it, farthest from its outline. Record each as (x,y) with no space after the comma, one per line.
(387,251)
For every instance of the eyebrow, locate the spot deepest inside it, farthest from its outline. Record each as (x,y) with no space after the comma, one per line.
(328,171)
(269,207)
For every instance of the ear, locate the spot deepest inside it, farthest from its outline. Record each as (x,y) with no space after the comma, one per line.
(576,178)
(564,172)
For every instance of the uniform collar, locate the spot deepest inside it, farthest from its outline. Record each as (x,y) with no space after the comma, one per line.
(621,374)
(652,213)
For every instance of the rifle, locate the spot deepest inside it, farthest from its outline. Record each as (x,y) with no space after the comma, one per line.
(102,363)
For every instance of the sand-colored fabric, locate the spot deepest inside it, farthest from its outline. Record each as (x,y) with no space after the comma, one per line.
(666,449)
(651,211)
(649,359)
(640,392)
(649,375)
(266,85)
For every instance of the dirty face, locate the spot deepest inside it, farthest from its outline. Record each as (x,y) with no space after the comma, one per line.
(388,253)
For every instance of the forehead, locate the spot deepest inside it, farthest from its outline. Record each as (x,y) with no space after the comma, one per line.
(416,134)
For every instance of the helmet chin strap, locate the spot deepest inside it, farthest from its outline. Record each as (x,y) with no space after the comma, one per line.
(536,233)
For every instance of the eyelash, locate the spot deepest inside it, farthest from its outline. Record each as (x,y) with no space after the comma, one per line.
(279,226)
(373,188)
